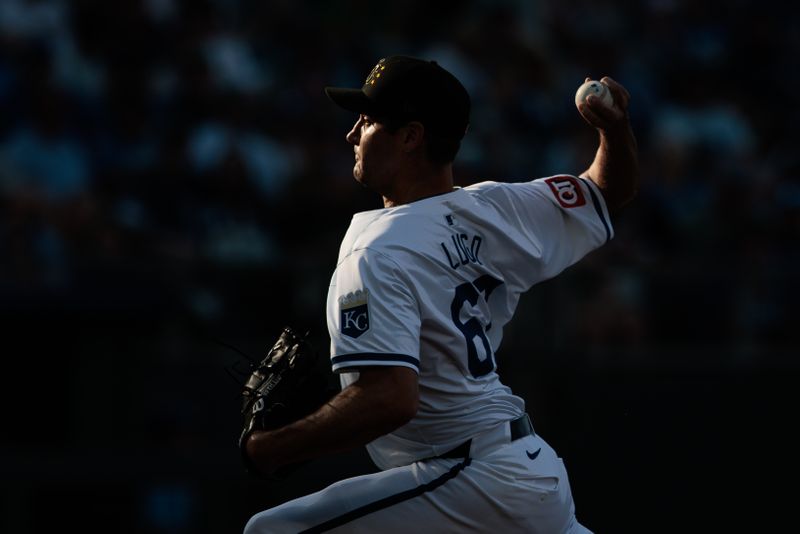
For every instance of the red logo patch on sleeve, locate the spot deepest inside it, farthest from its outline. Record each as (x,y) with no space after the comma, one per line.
(567,190)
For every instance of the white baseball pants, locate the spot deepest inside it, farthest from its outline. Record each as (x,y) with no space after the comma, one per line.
(503,486)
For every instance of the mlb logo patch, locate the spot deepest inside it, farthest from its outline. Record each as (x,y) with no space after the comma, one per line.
(567,190)
(354,313)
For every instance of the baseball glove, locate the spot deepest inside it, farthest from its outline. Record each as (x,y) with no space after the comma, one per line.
(284,387)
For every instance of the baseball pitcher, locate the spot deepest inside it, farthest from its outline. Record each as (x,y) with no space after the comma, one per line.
(418,300)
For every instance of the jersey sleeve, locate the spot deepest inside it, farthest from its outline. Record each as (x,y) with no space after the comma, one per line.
(560,218)
(373,315)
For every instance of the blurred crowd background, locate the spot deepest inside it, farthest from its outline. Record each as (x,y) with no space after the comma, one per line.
(172,176)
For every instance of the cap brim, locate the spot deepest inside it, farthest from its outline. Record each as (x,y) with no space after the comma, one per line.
(350,99)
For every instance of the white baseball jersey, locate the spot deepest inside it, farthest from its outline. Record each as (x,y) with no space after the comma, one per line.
(430,285)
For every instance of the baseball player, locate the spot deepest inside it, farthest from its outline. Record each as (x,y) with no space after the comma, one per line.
(417,304)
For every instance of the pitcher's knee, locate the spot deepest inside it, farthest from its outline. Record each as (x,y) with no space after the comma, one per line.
(271,522)
(253,526)
(261,523)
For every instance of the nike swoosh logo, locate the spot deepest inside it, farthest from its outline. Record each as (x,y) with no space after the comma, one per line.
(533,455)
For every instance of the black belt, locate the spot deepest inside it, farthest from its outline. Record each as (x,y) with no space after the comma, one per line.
(519,427)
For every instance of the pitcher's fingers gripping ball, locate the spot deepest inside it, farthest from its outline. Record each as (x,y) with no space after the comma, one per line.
(593,87)
(604,103)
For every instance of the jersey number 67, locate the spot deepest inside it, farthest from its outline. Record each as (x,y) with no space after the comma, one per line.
(472,328)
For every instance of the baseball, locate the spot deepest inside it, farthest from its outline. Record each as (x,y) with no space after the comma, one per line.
(593,87)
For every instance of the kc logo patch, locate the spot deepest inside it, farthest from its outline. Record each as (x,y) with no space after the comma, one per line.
(567,191)
(354,313)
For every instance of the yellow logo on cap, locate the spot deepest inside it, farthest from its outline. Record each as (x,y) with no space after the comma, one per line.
(376,72)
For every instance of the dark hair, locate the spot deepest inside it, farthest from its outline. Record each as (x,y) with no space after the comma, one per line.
(439,150)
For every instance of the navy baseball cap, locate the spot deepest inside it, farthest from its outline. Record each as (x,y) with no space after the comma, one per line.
(405,89)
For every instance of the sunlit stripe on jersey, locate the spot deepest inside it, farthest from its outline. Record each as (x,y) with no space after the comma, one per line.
(367,357)
(389,501)
(598,207)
